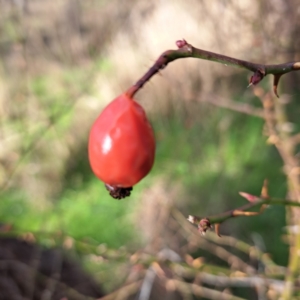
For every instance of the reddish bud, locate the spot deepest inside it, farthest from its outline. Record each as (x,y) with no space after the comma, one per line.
(181,43)
(257,77)
(204,225)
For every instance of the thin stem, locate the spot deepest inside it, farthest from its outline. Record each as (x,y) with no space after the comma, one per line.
(186,50)
(243,210)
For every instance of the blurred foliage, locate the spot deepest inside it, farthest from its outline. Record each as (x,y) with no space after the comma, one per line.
(61,63)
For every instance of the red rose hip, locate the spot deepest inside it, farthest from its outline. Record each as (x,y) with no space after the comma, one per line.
(121,146)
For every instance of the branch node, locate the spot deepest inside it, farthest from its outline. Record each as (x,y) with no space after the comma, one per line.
(204,225)
(181,43)
(257,76)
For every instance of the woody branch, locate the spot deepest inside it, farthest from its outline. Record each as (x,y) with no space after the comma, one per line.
(187,50)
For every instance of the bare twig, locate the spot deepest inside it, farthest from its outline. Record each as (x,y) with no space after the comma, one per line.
(286,146)
(124,292)
(252,251)
(201,291)
(20,267)
(240,211)
(243,108)
(239,281)
(147,284)
(187,50)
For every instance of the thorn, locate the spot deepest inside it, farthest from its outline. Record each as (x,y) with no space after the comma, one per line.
(264,190)
(275,83)
(250,84)
(217,229)
(249,197)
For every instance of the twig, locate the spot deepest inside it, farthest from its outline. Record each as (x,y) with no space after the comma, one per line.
(187,50)
(147,285)
(252,281)
(205,223)
(124,292)
(23,268)
(250,250)
(286,146)
(209,244)
(244,108)
(231,259)
(203,291)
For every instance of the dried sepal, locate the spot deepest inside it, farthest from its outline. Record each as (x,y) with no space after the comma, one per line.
(118,192)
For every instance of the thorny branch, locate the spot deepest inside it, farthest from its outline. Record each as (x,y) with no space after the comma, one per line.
(260,202)
(187,50)
(259,72)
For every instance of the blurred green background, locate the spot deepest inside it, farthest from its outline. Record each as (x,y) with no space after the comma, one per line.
(63,61)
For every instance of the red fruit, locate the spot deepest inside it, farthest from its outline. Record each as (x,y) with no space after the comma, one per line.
(121,144)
